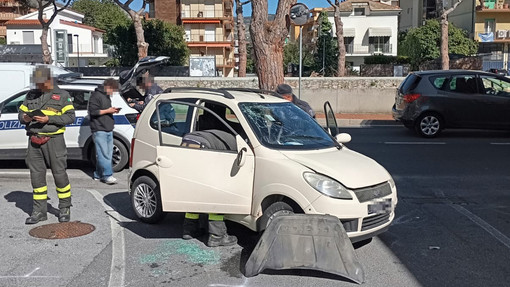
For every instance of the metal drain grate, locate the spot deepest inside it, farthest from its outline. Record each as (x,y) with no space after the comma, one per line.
(62,230)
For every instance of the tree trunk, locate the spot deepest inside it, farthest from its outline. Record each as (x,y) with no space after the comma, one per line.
(143,46)
(241,38)
(445,58)
(340,40)
(44,44)
(268,39)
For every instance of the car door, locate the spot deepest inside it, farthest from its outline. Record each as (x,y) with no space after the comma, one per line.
(455,100)
(494,101)
(12,132)
(200,179)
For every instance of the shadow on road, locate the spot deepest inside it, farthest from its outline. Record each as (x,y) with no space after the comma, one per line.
(23,201)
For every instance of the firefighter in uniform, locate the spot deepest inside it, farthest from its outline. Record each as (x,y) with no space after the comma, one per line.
(217,229)
(45,112)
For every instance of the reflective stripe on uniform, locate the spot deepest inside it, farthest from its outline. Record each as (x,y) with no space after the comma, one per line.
(191,215)
(64,192)
(59,131)
(67,108)
(40,193)
(215,217)
(23,108)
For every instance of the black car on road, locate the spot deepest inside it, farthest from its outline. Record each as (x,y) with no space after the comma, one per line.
(430,101)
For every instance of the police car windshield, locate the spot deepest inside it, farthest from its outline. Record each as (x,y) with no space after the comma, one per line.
(285,126)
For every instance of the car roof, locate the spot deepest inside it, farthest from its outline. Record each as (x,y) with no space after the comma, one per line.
(224,95)
(450,72)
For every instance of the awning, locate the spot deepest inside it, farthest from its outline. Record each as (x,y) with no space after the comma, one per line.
(349,32)
(379,32)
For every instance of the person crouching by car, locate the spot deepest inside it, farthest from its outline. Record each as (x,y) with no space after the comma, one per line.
(101,124)
(285,91)
(146,83)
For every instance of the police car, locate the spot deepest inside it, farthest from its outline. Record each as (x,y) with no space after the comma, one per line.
(78,135)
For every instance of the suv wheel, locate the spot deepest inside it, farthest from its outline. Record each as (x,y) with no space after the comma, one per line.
(146,200)
(276,209)
(120,155)
(429,125)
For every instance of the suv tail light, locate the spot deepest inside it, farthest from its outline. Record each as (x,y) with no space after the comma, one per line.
(131,153)
(409,98)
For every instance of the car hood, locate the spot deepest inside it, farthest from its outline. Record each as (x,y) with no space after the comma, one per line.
(350,168)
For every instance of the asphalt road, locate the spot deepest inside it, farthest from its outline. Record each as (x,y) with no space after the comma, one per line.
(452,226)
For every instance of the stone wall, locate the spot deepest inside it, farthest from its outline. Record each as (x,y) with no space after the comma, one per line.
(346,95)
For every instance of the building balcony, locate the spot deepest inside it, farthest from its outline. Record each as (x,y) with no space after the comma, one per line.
(195,13)
(203,37)
(3,31)
(368,50)
(5,16)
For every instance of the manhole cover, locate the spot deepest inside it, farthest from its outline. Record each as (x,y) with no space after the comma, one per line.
(62,230)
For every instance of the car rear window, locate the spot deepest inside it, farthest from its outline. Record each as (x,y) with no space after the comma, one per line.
(438,81)
(410,83)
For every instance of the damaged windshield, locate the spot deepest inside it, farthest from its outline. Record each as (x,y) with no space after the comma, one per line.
(285,126)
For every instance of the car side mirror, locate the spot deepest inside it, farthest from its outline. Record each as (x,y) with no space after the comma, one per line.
(343,138)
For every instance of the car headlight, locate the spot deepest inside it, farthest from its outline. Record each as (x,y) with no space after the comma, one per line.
(327,186)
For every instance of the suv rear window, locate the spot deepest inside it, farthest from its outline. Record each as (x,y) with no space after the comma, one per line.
(410,83)
(438,82)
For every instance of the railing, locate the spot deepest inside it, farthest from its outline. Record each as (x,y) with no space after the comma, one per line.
(197,13)
(8,16)
(85,49)
(201,37)
(3,30)
(370,49)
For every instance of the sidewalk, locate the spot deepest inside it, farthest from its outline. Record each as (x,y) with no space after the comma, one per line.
(345,120)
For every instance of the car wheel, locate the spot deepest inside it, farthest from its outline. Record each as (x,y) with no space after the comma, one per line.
(429,125)
(146,200)
(276,209)
(120,155)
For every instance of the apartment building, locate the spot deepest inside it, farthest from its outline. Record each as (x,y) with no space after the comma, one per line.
(370,27)
(10,10)
(209,27)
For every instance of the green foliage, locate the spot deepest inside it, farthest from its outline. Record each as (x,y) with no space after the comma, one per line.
(3,41)
(383,59)
(326,55)
(164,40)
(102,14)
(250,64)
(424,43)
(291,55)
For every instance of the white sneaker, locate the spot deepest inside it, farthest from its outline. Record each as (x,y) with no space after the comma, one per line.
(110,180)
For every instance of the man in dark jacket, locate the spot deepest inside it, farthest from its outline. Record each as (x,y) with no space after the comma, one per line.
(146,83)
(286,92)
(45,112)
(101,124)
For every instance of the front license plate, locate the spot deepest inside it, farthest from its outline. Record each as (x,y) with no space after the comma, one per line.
(380,207)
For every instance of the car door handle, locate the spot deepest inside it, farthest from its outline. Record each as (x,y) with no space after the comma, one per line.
(241,158)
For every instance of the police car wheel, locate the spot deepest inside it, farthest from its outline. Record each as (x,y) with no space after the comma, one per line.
(146,200)
(120,155)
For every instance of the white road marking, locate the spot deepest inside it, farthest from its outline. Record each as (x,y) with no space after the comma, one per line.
(500,143)
(416,143)
(118,267)
(28,275)
(483,224)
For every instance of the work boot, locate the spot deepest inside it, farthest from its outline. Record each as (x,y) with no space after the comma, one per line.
(218,234)
(39,212)
(36,217)
(225,240)
(191,229)
(64,215)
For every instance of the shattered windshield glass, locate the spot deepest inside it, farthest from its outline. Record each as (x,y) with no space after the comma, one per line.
(285,126)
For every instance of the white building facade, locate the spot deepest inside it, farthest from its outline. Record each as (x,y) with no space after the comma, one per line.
(71,42)
(370,27)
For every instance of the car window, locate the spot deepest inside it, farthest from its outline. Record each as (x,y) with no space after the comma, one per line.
(285,126)
(80,99)
(173,118)
(465,84)
(409,83)
(495,86)
(439,82)
(207,121)
(12,106)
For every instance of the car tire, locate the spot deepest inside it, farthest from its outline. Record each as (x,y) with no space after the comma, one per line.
(146,200)
(276,209)
(120,155)
(429,125)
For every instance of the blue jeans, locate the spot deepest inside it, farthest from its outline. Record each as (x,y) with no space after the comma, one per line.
(104,153)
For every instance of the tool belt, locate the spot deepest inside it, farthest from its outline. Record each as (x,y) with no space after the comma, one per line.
(39,139)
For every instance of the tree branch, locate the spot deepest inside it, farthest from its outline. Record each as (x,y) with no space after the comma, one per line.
(245,2)
(446,12)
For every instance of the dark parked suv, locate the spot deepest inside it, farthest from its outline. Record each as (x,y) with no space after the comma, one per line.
(431,101)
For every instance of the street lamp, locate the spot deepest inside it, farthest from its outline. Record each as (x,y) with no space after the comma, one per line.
(78,49)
